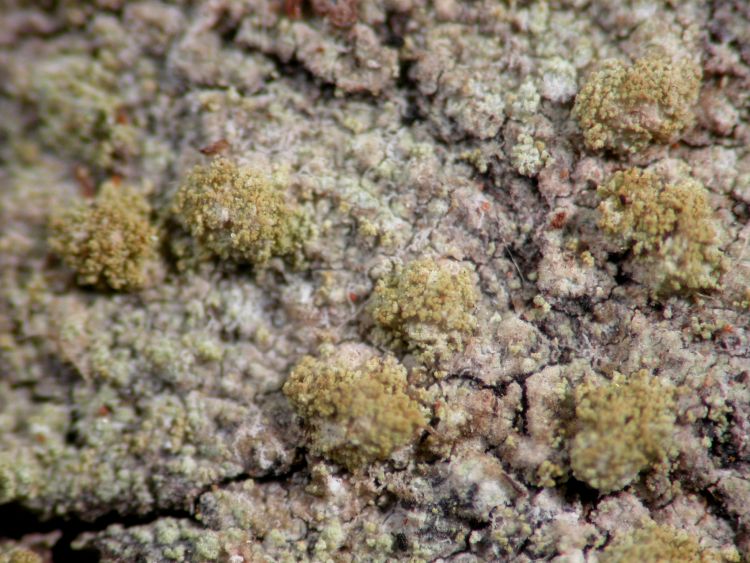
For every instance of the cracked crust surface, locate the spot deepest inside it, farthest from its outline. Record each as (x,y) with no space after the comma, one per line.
(152,425)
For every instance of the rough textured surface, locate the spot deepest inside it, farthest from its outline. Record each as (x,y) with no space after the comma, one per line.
(652,543)
(463,191)
(108,241)
(427,307)
(622,428)
(238,213)
(356,404)
(626,107)
(669,228)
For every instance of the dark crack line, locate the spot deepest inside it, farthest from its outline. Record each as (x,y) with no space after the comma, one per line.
(19,521)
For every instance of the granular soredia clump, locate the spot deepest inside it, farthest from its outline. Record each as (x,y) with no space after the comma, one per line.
(238,213)
(469,292)
(109,240)
(622,427)
(12,553)
(657,543)
(624,108)
(355,403)
(669,228)
(426,307)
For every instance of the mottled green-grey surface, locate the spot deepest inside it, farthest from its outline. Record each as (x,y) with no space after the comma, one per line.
(451,168)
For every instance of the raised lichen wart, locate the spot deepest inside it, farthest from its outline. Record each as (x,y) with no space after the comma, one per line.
(622,428)
(168,539)
(427,307)
(529,156)
(81,111)
(669,228)
(109,240)
(239,213)
(14,553)
(625,107)
(355,403)
(657,543)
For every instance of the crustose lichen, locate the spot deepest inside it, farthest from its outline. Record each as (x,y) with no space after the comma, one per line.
(238,213)
(82,111)
(355,403)
(624,108)
(622,427)
(657,543)
(669,228)
(427,307)
(108,241)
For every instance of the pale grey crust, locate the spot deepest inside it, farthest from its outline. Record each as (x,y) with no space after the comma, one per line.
(426,130)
